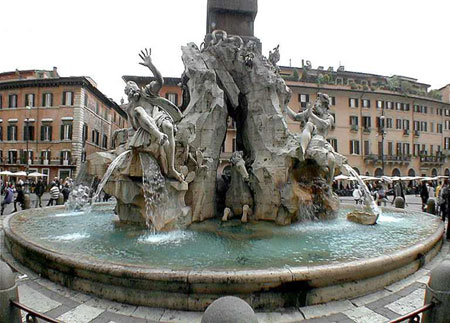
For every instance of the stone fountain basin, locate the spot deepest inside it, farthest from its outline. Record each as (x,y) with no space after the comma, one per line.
(263,289)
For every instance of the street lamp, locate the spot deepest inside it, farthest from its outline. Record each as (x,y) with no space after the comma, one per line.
(382,118)
(27,125)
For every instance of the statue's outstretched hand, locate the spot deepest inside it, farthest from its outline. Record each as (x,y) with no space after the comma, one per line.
(146,57)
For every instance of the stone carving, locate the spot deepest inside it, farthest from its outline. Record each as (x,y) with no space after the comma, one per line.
(168,176)
(239,199)
(313,139)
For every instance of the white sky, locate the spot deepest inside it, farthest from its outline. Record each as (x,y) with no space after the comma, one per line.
(102,39)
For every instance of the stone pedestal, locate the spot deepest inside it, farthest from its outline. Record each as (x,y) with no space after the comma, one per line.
(8,292)
(399,202)
(438,292)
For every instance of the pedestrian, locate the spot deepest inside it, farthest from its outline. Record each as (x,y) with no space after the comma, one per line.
(357,195)
(54,194)
(9,195)
(20,198)
(424,194)
(381,195)
(66,191)
(444,195)
(39,191)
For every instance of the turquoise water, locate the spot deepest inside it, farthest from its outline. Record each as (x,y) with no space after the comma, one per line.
(230,245)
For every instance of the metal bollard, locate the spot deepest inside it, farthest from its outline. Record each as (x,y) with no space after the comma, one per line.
(438,292)
(8,292)
(26,201)
(60,200)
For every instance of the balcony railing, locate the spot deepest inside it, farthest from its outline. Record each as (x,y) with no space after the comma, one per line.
(354,127)
(400,159)
(416,133)
(432,159)
(406,132)
(366,130)
(39,162)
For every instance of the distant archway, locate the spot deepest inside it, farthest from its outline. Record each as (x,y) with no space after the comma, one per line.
(434,172)
(411,172)
(378,172)
(447,172)
(396,172)
(367,174)
(357,170)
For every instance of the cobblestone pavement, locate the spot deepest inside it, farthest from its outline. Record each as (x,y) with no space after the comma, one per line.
(71,306)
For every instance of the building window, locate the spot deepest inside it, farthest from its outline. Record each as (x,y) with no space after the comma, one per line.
(95,137)
(303,99)
(46,132)
(45,157)
(350,81)
(398,124)
(66,131)
(12,101)
(367,122)
(172,97)
(366,147)
(333,143)
(390,105)
(29,100)
(339,81)
(354,147)
(406,124)
(389,123)
(447,124)
(83,156)
(67,98)
(398,106)
(353,103)
(233,145)
(85,132)
(398,151)
(105,142)
(28,132)
(47,100)
(447,143)
(365,103)
(85,100)
(27,157)
(439,127)
(97,108)
(353,121)
(1,134)
(406,150)
(1,102)
(332,100)
(380,104)
(406,107)
(65,157)
(12,156)
(12,133)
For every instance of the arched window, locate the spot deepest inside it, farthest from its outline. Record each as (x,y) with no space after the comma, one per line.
(447,172)
(357,170)
(411,172)
(396,172)
(434,172)
(378,172)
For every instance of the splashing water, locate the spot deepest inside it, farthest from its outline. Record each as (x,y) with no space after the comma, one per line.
(155,193)
(368,199)
(119,159)
(78,198)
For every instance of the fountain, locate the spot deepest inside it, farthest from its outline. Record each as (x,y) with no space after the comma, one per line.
(169,244)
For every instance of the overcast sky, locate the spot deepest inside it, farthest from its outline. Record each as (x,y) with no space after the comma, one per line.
(102,39)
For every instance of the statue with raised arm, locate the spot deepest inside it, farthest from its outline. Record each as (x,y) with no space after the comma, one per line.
(152,117)
(313,139)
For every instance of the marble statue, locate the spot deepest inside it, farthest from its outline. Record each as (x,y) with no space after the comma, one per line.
(318,122)
(238,200)
(152,117)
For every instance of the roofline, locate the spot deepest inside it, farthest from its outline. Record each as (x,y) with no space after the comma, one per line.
(306,85)
(58,81)
(358,73)
(147,79)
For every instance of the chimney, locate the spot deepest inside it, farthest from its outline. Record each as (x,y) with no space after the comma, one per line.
(55,72)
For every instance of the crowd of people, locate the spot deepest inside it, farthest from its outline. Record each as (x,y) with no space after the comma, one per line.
(14,193)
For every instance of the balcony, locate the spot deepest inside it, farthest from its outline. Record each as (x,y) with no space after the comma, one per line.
(416,133)
(366,130)
(431,160)
(406,132)
(388,159)
(354,128)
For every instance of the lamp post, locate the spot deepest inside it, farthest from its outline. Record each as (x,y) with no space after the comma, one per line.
(27,127)
(382,118)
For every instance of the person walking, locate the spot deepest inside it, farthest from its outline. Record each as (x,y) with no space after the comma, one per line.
(357,195)
(66,191)
(444,195)
(9,196)
(20,198)
(39,191)
(54,194)
(424,194)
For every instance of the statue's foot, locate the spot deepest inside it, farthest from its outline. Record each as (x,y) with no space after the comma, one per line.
(244,218)
(176,175)
(226,214)
(301,154)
